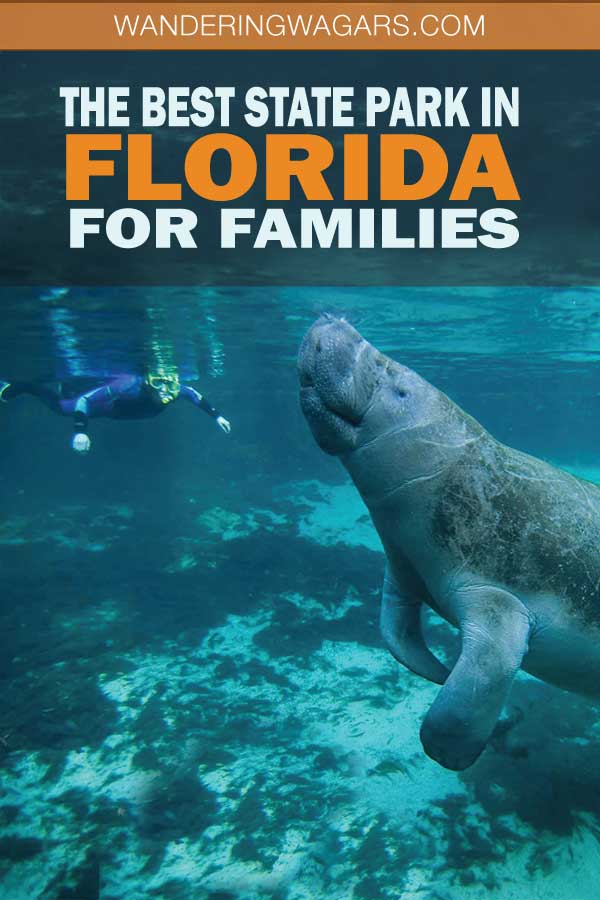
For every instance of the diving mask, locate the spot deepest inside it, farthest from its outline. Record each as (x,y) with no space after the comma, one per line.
(166,386)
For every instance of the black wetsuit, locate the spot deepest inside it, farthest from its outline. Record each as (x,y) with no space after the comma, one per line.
(122,397)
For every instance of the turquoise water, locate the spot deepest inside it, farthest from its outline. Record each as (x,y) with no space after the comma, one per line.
(197,702)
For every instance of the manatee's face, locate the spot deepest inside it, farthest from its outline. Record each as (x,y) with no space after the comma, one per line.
(351,393)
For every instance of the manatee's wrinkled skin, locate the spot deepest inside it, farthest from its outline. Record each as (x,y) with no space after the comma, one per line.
(500,544)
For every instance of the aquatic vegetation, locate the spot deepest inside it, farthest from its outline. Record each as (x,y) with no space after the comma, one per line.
(197,702)
(230,525)
(64,527)
(263,752)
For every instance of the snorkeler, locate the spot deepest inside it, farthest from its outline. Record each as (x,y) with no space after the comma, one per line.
(121,397)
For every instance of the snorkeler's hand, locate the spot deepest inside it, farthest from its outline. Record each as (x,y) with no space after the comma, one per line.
(81,443)
(223,424)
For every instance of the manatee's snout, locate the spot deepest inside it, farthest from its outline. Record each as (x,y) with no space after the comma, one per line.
(327,362)
(336,382)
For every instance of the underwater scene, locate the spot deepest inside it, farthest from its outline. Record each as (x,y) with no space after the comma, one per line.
(198,703)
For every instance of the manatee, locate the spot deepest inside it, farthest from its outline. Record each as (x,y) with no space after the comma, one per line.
(501,545)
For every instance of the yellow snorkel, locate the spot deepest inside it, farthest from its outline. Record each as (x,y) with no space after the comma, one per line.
(162,372)
(166,385)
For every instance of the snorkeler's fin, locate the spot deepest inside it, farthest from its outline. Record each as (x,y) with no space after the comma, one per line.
(4,385)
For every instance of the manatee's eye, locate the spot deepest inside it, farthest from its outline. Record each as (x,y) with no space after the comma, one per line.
(400,392)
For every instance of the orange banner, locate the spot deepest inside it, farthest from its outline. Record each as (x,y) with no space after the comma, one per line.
(300,26)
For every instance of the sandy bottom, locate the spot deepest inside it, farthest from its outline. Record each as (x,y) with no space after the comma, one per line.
(278,755)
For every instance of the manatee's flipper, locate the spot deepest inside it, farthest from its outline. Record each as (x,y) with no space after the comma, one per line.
(495,630)
(400,623)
